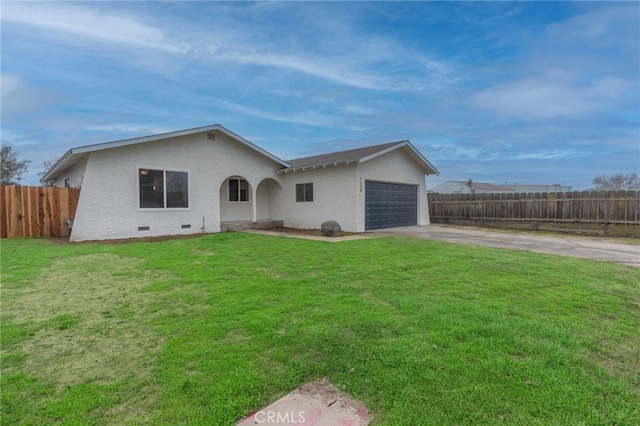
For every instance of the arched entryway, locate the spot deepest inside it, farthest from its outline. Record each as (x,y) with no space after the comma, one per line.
(268,200)
(245,206)
(236,200)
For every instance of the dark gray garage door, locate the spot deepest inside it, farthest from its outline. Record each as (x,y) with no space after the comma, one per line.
(387,205)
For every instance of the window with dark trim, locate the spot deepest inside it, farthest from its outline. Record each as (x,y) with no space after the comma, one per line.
(160,189)
(304,192)
(238,190)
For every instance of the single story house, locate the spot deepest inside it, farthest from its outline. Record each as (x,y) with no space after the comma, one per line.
(197,180)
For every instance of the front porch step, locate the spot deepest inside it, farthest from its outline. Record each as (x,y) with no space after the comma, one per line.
(246,225)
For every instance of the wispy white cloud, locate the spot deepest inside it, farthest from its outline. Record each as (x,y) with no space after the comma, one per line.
(576,68)
(359,109)
(310,118)
(308,65)
(20,97)
(545,97)
(10,83)
(364,68)
(129,128)
(505,152)
(234,44)
(10,135)
(487,13)
(550,155)
(601,25)
(89,21)
(443,151)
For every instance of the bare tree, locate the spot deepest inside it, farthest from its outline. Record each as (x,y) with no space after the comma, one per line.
(47,165)
(11,169)
(472,188)
(617,182)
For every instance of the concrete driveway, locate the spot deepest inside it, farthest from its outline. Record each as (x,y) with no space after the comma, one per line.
(570,245)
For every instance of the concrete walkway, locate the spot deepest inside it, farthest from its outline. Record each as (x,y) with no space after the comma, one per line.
(570,245)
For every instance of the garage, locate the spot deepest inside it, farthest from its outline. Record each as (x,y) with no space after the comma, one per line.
(389,205)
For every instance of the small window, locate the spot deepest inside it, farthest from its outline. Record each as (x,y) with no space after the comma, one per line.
(177,189)
(161,189)
(304,192)
(238,190)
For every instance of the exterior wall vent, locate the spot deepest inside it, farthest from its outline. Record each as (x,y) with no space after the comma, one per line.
(186,226)
(143,228)
(211,136)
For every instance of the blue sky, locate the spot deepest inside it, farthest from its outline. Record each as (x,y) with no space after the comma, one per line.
(533,92)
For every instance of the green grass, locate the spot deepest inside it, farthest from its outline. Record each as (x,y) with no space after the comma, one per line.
(207,330)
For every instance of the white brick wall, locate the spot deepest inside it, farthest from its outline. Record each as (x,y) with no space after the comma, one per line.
(396,167)
(334,198)
(108,205)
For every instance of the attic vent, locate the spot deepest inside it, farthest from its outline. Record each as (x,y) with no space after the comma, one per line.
(211,136)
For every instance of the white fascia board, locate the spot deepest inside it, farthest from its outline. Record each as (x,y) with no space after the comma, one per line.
(120,143)
(384,151)
(251,145)
(400,145)
(143,139)
(52,171)
(316,166)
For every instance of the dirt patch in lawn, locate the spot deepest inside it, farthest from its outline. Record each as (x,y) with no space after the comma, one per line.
(88,316)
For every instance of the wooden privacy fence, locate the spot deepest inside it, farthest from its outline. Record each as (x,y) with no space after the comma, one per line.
(601,208)
(35,211)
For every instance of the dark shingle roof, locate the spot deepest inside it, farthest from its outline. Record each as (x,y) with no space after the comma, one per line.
(341,156)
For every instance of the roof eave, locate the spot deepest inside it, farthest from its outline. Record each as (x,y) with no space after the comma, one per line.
(315,166)
(252,146)
(427,166)
(384,151)
(51,173)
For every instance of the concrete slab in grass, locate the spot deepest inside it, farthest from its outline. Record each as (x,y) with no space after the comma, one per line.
(317,403)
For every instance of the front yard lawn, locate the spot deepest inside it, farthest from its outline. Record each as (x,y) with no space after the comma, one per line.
(206,330)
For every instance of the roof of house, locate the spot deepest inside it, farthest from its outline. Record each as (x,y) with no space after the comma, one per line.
(75,155)
(359,155)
